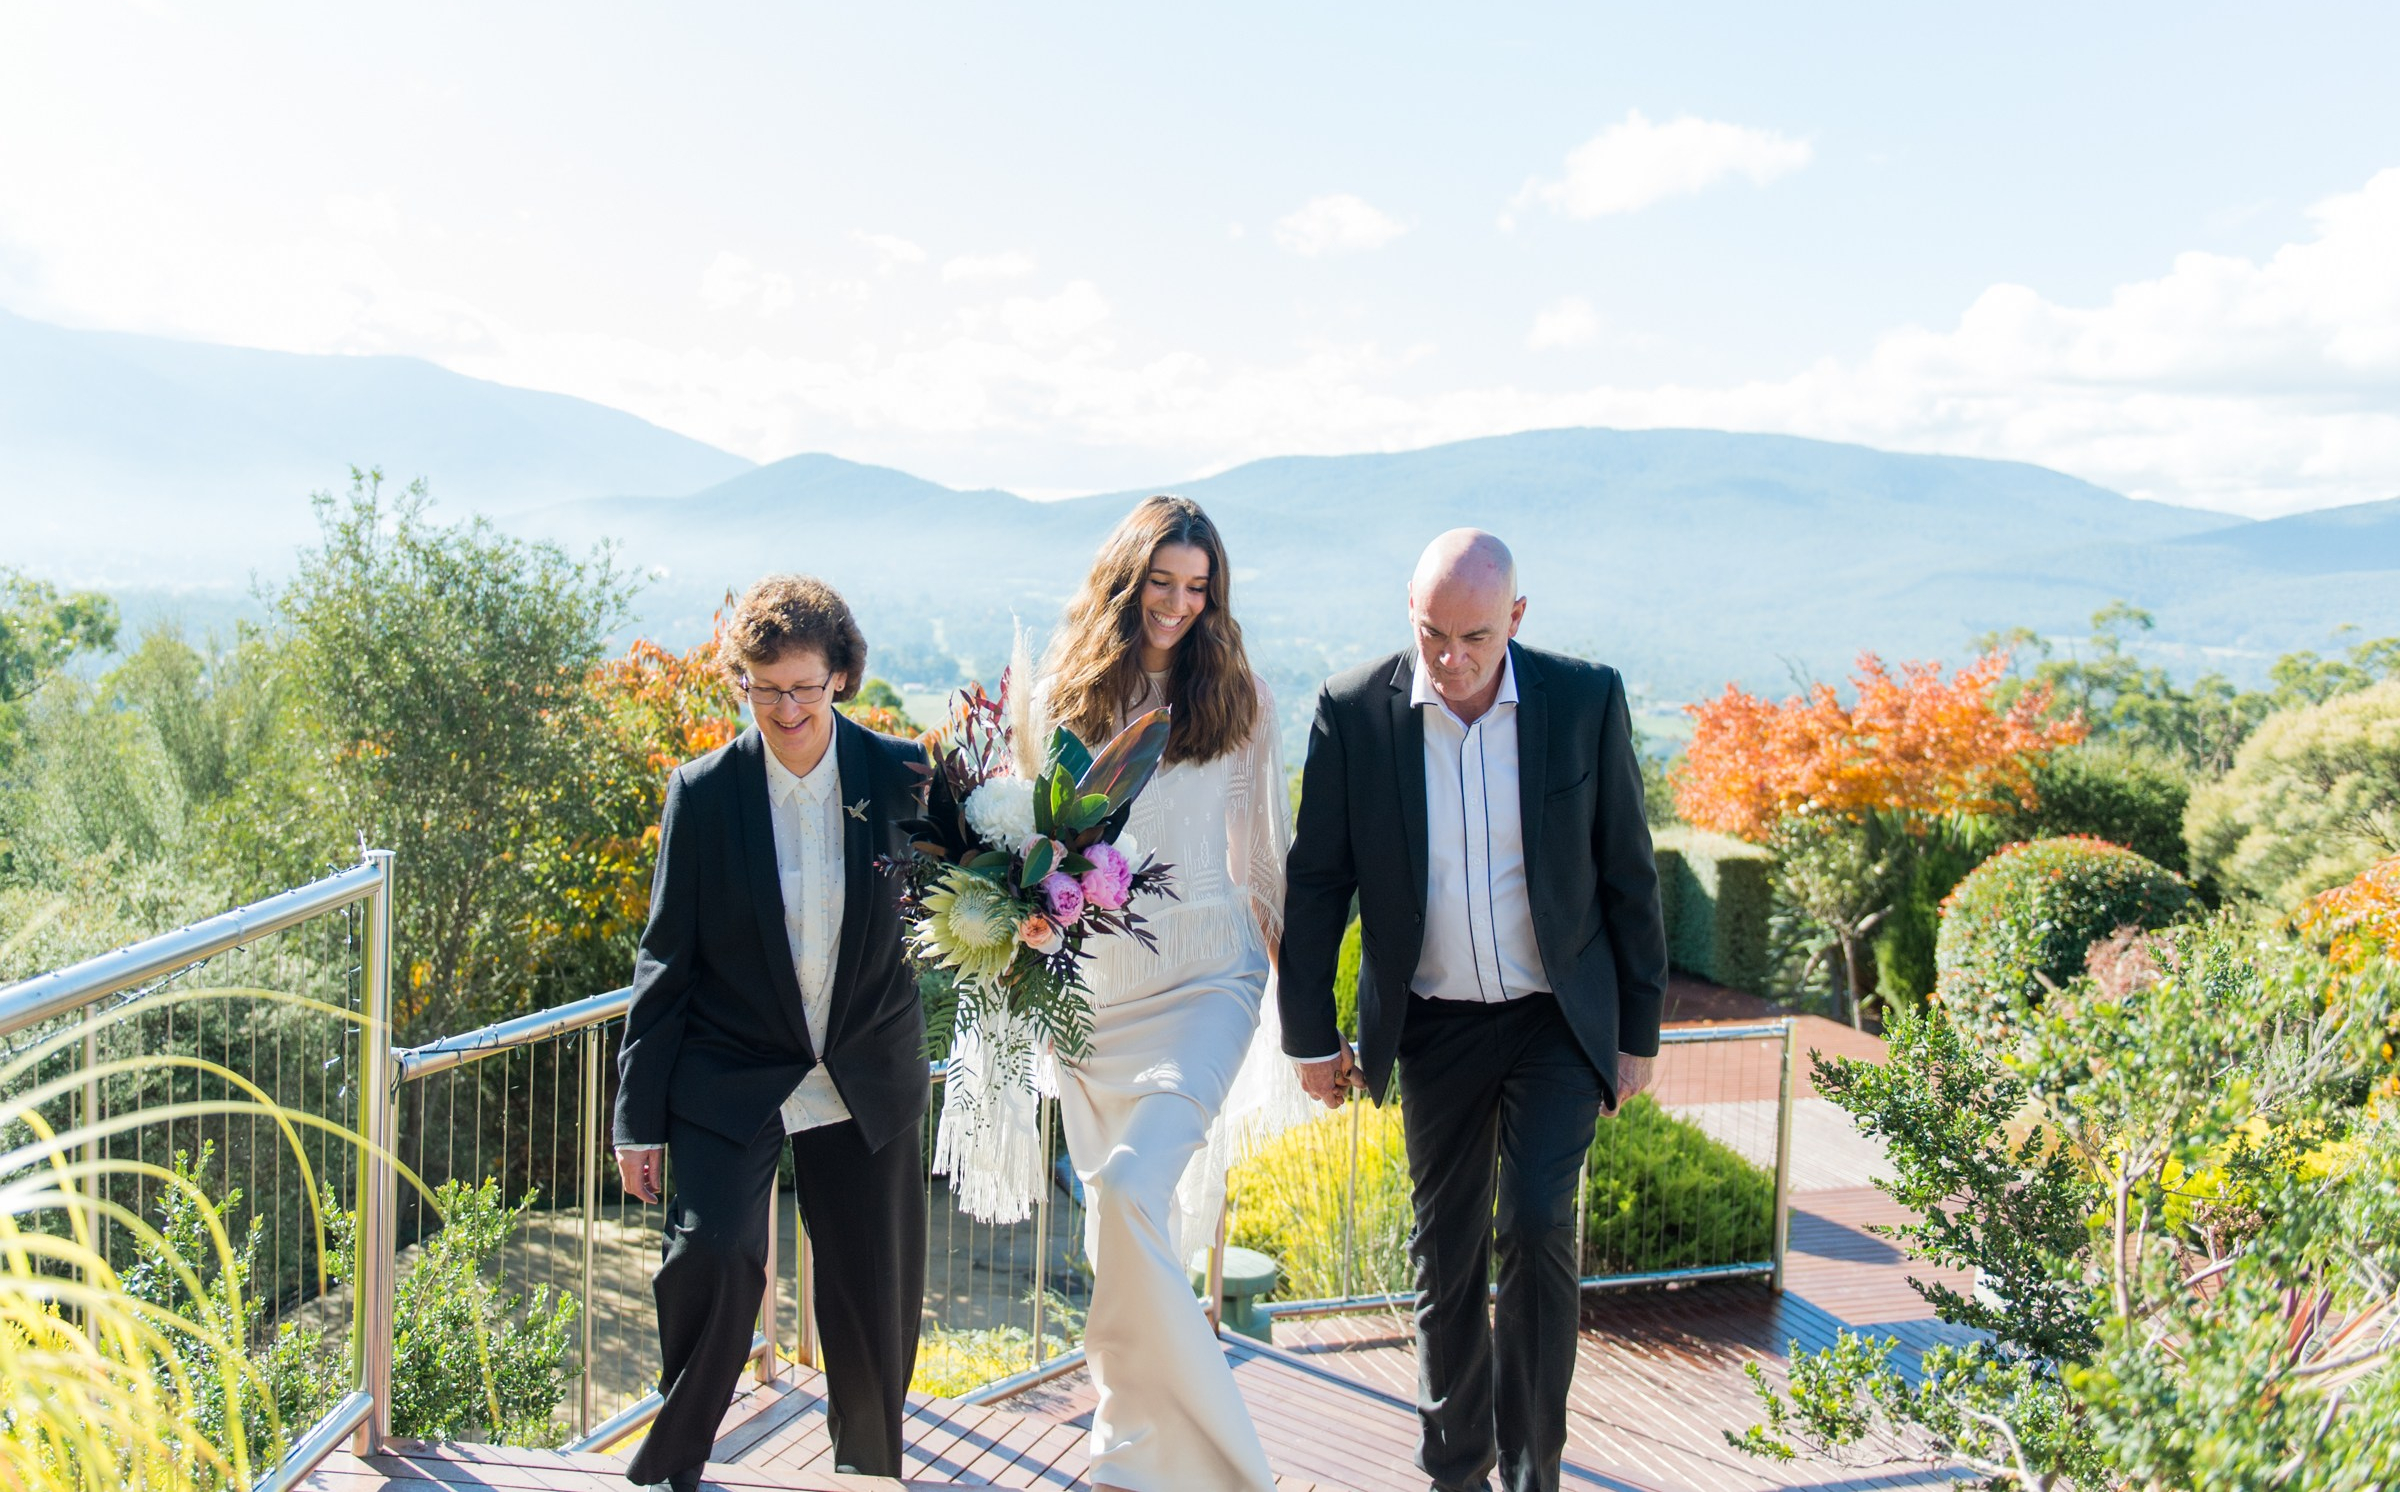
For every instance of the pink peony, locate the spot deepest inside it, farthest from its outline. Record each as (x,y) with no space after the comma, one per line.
(1064,897)
(1038,933)
(1110,880)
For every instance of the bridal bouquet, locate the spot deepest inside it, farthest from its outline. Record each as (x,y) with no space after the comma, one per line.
(1019,865)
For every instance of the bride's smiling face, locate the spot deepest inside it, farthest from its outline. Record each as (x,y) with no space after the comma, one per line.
(1174,593)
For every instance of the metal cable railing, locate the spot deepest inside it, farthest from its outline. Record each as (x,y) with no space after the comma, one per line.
(1691,1182)
(330,942)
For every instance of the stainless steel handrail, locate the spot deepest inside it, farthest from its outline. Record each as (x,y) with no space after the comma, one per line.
(500,1036)
(322,1440)
(62,990)
(645,1409)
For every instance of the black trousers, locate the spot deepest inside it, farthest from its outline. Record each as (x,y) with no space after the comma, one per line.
(864,1212)
(1498,1103)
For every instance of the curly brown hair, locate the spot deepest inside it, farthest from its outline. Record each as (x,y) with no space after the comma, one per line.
(1095,660)
(793,613)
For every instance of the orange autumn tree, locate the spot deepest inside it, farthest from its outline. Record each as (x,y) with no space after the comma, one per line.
(1912,744)
(2357,925)
(663,708)
(1841,790)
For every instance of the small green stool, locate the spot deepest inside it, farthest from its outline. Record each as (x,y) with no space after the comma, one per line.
(1249,1274)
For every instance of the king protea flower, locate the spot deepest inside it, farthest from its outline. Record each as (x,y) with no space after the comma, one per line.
(970,925)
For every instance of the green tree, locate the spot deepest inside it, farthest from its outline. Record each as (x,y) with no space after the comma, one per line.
(2128,795)
(1843,873)
(41,629)
(2312,800)
(441,677)
(2132,705)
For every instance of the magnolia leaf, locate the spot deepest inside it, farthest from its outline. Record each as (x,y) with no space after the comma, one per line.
(1125,765)
(1067,750)
(1037,865)
(1084,813)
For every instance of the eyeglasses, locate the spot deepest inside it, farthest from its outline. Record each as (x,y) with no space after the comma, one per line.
(763,698)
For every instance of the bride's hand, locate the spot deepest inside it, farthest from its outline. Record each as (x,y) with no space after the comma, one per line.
(1330,1082)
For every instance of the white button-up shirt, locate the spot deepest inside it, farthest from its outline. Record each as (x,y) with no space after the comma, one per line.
(808,862)
(1479,940)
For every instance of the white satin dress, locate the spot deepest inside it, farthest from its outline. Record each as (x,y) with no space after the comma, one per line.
(1176,1035)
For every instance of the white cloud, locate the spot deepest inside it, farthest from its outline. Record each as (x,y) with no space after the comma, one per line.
(1336,224)
(973,267)
(731,282)
(1629,166)
(1568,321)
(890,249)
(1056,322)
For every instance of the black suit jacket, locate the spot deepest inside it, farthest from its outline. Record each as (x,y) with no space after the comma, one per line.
(716,1034)
(1588,869)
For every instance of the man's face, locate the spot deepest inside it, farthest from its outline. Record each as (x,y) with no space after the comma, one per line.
(1462,634)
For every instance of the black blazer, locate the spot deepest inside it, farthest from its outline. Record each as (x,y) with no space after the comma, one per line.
(716,1034)
(1588,869)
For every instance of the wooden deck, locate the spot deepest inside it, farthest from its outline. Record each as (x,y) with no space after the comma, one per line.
(1659,1376)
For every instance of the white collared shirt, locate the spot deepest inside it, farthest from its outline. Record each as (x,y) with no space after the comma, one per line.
(808,861)
(1479,940)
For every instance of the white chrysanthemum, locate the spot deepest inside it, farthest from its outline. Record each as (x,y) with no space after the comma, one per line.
(1001,812)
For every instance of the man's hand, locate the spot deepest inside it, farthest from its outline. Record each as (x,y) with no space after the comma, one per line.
(1633,1075)
(1330,1082)
(643,1169)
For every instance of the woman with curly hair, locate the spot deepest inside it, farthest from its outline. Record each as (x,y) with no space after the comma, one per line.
(1146,1110)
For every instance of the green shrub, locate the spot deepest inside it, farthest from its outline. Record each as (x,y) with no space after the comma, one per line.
(1905,966)
(1289,1202)
(470,1362)
(2032,913)
(1717,893)
(2121,794)
(956,1360)
(1345,982)
(2312,800)
(1661,1194)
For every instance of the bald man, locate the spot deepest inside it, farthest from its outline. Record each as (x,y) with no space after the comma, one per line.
(1483,803)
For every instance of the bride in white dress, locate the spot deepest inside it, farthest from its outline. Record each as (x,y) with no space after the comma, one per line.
(1177,1033)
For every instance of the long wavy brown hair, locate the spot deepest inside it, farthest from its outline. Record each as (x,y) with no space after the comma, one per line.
(1094,663)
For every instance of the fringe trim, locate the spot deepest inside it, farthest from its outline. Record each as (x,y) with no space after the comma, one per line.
(989,1141)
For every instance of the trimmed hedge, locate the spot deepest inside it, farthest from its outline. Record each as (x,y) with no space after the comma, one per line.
(1717,892)
(2033,912)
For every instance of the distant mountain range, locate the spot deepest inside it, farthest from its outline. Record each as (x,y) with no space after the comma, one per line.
(1687,557)
(149,462)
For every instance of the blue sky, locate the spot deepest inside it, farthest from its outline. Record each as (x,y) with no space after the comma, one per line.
(1071,247)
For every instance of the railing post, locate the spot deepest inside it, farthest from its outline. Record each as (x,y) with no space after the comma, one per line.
(1041,1229)
(1583,1208)
(762,1368)
(808,1299)
(1216,1265)
(93,1187)
(1350,1206)
(589,1188)
(371,1312)
(1783,1152)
